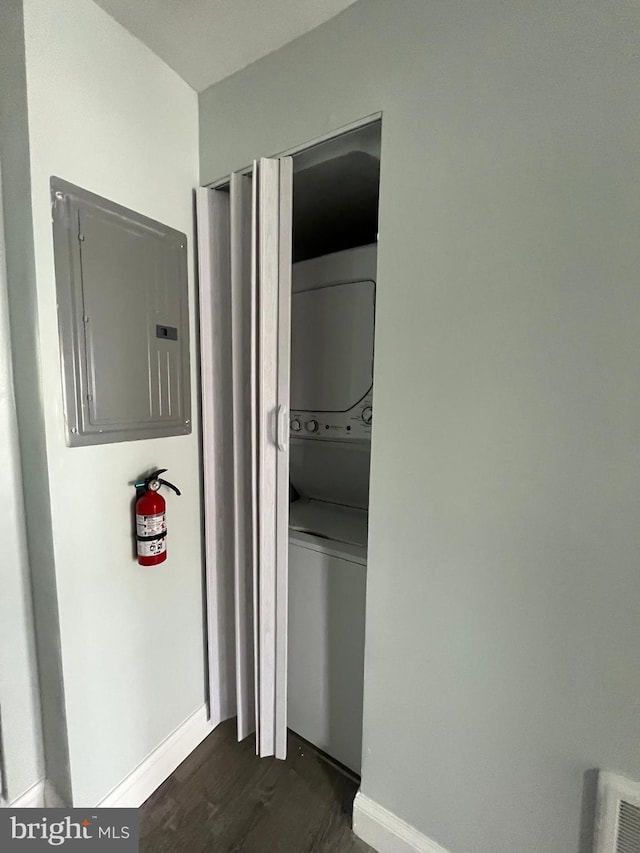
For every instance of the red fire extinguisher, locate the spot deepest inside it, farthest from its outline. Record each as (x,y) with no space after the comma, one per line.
(151,522)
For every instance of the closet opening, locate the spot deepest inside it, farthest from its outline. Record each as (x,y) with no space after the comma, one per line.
(333,292)
(287,269)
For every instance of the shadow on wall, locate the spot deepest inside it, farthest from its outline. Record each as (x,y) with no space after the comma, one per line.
(197,424)
(588,811)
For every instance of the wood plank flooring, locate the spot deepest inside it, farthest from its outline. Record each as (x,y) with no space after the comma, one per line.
(223,799)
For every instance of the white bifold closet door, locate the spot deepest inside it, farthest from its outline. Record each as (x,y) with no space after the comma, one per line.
(244,247)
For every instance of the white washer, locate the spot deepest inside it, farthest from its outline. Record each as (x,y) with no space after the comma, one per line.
(327,588)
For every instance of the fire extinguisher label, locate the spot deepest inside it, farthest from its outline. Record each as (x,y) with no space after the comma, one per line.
(152,547)
(150,525)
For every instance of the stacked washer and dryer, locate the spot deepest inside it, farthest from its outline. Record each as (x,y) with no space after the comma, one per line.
(332,343)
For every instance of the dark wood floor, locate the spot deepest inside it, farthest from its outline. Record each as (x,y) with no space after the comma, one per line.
(223,799)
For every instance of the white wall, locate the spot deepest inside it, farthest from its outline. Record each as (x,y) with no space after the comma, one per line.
(503,613)
(106,114)
(20,729)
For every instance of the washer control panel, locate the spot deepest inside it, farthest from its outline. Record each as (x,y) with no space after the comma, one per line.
(354,425)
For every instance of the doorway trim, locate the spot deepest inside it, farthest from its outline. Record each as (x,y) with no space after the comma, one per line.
(221,183)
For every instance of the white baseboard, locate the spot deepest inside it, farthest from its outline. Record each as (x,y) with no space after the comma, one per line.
(33,798)
(159,764)
(386,832)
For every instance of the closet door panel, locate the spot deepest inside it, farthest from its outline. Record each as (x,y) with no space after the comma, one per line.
(244,237)
(243,376)
(268,253)
(217,437)
(273,251)
(282,473)
(253,322)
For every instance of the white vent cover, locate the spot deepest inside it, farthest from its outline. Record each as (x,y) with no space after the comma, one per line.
(618,815)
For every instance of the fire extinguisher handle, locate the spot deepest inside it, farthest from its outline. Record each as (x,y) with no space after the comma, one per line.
(171,486)
(144,485)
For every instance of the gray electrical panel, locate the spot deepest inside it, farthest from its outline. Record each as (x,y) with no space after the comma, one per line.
(123,319)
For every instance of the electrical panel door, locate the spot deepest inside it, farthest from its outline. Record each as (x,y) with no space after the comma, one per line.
(123,319)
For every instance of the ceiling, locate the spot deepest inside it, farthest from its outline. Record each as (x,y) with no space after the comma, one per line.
(206,40)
